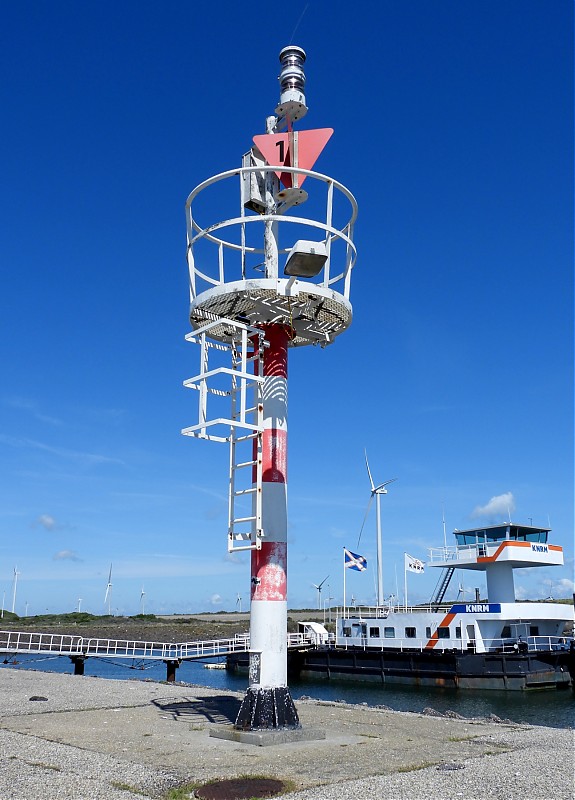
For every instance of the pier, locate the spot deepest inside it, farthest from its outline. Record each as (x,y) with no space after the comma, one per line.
(79,648)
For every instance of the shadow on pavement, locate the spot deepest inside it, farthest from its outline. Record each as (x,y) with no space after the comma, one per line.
(221,709)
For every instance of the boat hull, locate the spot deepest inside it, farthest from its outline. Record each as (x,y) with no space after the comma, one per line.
(502,671)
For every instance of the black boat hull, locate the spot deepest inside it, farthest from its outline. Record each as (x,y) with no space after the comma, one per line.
(508,671)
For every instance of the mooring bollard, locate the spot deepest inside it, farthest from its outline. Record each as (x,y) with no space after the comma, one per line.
(78,662)
(171,667)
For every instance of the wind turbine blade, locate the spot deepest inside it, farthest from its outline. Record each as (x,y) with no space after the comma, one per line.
(322,583)
(382,485)
(110,575)
(106,595)
(364,518)
(369,472)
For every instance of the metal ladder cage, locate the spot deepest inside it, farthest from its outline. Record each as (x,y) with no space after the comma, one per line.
(236,384)
(219,267)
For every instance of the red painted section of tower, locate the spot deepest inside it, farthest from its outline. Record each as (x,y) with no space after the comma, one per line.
(276,355)
(269,565)
(274,455)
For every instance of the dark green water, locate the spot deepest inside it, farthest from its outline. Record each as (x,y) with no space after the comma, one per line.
(554,708)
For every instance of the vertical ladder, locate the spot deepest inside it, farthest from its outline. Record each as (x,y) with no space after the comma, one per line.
(239,383)
(245,529)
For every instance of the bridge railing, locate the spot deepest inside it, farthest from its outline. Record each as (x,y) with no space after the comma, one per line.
(65,644)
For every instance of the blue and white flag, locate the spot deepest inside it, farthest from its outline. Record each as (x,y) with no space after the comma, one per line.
(353,561)
(414,565)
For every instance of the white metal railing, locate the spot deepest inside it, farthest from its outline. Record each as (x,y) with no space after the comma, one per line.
(462,551)
(530,644)
(382,644)
(382,612)
(527,644)
(36,643)
(13,642)
(217,270)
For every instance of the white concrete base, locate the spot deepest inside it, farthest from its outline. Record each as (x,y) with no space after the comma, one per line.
(265,738)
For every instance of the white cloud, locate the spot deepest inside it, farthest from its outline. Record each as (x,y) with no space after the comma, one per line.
(46,521)
(561,588)
(24,404)
(216,600)
(67,555)
(499,506)
(74,455)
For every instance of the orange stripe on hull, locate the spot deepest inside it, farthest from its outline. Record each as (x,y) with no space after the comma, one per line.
(447,620)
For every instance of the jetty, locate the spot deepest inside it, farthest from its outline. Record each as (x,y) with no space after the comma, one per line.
(67,737)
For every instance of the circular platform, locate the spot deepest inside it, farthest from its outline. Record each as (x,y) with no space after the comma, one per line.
(315,314)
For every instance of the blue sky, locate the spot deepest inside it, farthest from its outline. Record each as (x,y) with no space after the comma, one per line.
(453,128)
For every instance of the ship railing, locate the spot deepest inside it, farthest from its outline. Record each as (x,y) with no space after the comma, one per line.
(440,555)
(407,645)
(529,644)
(382,612)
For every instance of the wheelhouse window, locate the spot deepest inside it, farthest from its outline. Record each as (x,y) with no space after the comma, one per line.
(347,631)
(428,632)
(410,633)
(389,633)
(443,632)
(458,632)
(374,633)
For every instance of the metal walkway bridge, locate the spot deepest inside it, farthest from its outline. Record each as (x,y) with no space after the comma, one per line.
(79,648)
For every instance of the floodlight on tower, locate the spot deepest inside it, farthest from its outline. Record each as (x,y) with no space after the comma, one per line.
(245,317)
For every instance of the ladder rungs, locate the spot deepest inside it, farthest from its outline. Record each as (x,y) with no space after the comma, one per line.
(238,548)
(245,464)
(244,491)
(236,520)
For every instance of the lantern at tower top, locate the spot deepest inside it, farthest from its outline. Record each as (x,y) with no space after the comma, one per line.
(264,262)
(292,104)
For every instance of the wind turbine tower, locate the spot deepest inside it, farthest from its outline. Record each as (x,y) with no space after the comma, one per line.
(108,595)
(262,282)
(377,491)
(14,586)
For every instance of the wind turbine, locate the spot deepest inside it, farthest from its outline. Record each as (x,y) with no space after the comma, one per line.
(142,595)
(79,604)
(327,600)
(461,591)
(318,587)
(14,585)
(239,603)
(108,595)
(376,491)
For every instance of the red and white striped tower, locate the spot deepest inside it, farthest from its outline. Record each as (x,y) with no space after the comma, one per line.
(267,703)
(240,310)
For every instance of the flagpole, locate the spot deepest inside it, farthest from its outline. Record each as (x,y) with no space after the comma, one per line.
(405,581)
(344,614)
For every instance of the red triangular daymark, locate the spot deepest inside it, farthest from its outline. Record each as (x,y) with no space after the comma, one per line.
(276,149)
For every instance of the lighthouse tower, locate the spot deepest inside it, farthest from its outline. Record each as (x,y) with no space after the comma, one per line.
(265,278)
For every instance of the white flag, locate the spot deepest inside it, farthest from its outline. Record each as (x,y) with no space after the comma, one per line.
(414,565)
